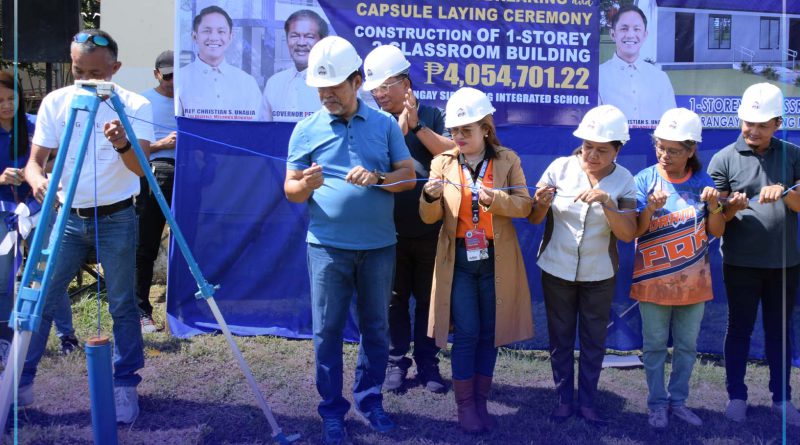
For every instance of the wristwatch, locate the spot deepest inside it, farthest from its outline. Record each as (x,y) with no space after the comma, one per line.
(419,127)
(123,149)
(381,177)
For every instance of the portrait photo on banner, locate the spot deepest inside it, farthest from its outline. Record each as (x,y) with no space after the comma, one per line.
(226,49)
(701,55)
(541,65)
(246,61)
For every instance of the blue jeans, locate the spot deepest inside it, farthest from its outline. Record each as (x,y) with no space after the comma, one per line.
(685,327)
(117,251)
(472,307)
(62,315)
(335,274)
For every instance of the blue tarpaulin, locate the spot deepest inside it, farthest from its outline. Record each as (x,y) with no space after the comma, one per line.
(246,237)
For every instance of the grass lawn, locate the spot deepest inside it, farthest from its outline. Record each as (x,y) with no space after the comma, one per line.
(194,393)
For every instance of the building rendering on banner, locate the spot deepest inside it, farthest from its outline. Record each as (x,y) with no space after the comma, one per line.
(726,31)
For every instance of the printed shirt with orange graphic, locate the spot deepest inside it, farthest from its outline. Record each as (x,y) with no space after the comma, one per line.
(671,266)
(465,209)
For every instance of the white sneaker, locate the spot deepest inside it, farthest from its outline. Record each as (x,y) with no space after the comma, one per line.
(685,414)
(658,418)
(148,324)
(736,410)
(792,415)
(126,401)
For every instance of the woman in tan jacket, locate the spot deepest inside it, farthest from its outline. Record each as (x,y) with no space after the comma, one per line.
(479,284)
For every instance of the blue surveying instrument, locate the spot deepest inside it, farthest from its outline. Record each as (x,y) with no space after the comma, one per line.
(27,315)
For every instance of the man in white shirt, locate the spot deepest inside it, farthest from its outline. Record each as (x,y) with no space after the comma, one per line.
(638,88)
(162,164)
(287,98)
(209,87)
(103,202)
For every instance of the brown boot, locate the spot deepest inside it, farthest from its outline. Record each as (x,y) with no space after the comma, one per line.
(468,419)
(483,385)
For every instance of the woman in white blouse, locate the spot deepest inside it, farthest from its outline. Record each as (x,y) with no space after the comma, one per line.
(588,201)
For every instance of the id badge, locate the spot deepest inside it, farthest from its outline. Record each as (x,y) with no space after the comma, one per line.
(477,245)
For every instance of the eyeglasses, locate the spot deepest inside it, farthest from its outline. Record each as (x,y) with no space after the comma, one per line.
(95,39)
(384,88)
(167,77)
(670,152)
(465,131)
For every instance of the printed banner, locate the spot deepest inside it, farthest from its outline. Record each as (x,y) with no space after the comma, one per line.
(533,59)
(537,61)
(542,62)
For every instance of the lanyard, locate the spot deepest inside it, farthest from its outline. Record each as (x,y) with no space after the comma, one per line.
(474,185)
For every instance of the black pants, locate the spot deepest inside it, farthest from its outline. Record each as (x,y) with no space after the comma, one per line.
(587,306)
(151,226)
(413,275)
(746,288)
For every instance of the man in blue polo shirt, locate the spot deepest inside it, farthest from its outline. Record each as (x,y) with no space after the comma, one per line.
(761,261)
(344,160)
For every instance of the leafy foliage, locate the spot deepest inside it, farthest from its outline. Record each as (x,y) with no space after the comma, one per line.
(90,10)
(770,73)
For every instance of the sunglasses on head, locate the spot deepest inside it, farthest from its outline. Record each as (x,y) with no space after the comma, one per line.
(95,39)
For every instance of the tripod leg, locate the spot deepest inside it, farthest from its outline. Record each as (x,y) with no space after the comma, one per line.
(13,372)
(39,268)
(206,290)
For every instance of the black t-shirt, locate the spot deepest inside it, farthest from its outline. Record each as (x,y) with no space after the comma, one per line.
(406,204)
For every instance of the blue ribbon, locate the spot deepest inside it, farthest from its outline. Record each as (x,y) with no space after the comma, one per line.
(12,220)
(342,176)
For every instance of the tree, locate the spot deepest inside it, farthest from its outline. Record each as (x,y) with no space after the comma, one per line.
(90,10)
(610,7)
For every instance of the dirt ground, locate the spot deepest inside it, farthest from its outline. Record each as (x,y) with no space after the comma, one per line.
(193,393)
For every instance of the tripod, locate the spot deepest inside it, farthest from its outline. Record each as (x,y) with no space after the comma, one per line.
(38,272)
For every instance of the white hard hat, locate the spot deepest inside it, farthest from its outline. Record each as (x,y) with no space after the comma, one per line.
(603,124)
(382,63)
(761,102)
(465,106)
(331,61)
(679,124)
